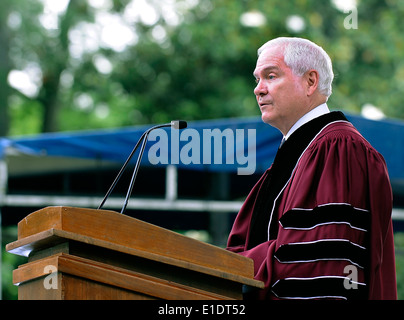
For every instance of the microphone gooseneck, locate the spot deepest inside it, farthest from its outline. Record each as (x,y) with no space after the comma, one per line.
(176,124)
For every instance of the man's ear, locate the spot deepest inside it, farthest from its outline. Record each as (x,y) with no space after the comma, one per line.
(312,77)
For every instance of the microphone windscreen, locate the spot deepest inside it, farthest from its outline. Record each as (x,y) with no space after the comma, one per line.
(179,124)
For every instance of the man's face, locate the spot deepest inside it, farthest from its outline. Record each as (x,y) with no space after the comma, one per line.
(280,93)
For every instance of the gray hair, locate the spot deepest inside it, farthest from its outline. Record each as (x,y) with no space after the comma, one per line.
(302,55)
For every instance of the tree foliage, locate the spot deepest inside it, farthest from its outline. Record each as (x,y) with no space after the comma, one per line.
(193,64)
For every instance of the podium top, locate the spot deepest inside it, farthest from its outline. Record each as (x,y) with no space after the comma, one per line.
(112,230)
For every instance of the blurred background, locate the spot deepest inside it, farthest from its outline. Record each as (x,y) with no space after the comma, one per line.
(73,65)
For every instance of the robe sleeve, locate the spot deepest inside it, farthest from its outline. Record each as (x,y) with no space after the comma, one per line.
(382,282)
(238,241)
(334,233)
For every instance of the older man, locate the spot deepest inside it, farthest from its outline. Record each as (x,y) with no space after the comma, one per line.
(318,222)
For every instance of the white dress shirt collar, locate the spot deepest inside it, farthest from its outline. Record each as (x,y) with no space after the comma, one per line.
(316,112)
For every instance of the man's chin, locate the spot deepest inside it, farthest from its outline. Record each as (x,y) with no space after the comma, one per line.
(266,118)
(270,120)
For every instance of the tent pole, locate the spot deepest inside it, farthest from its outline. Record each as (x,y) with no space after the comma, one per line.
(171,183)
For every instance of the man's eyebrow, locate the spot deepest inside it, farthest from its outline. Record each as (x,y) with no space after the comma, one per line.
(266,70)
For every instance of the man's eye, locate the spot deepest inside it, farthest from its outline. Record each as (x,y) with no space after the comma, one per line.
(268,77)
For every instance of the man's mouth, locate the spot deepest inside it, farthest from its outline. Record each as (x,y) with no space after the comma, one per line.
(263,104)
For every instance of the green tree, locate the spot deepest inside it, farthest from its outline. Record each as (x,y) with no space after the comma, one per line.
(4,70)
(47,49)
(189,59)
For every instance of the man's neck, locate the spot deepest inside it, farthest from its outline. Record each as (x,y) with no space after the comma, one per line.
(312,114)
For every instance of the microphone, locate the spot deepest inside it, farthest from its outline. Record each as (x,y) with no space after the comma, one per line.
(179,124)
(176,124)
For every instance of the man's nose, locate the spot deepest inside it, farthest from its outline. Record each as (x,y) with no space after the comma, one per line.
(260,89)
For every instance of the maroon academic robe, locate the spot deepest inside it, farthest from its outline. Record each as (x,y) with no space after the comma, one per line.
(326,231)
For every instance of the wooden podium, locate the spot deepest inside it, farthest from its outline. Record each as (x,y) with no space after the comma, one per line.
(78,254)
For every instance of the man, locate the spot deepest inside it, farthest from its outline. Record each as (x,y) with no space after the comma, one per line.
(318,222)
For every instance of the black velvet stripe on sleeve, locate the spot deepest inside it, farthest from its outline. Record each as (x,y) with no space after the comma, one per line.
(328,287)
(305,219)
(328,249)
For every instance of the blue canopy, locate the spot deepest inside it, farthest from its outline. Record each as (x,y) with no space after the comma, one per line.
(245,143)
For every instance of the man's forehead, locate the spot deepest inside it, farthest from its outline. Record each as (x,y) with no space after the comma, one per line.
(272,57)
